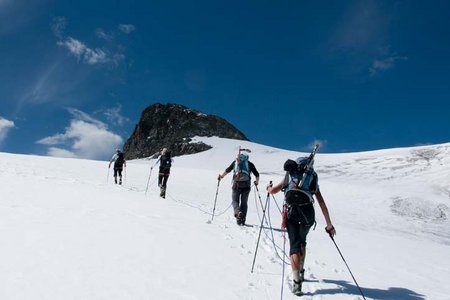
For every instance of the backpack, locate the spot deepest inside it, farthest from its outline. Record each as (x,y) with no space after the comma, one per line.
(165,162)
(120,160)
(241,177)
(303,184)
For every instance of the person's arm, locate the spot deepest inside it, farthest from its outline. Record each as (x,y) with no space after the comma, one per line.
(111,161)
(255,172)
(227,170)
(279,186)
(323,206)
(273,189)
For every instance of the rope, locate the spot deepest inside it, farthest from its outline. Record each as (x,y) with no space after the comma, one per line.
(197,207)
(272,237)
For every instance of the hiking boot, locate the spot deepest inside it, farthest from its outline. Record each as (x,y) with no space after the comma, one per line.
(302,275)
(115,180)
(163,193)
(240,218)
(297,288)
(120,181)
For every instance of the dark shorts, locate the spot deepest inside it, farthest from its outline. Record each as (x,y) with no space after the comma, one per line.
(297,235)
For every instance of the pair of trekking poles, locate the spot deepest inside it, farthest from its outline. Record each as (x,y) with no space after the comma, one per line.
(284,239)
(284,246)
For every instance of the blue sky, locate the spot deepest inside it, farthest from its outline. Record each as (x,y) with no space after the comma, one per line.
(355,75)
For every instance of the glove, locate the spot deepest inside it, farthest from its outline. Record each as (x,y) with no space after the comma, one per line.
(220,177)
(256,182)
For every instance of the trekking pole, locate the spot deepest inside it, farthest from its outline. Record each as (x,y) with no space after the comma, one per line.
(148,181)
(284,264)
(347,266)
(125,176)
(260,201)
(260,227)
(259,196)
(215,200)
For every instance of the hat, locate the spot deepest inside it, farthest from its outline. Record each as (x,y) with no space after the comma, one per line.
(164,150)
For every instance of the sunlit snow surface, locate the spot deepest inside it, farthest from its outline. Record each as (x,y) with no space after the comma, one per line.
(68,232)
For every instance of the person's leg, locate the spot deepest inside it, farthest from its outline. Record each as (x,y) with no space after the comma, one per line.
(160,178)
(298,263)
(164,181)
(115,175)
(235,201)
(297,253)
(244,204)
(120,175)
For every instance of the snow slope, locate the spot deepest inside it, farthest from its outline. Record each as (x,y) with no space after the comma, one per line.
(68,233)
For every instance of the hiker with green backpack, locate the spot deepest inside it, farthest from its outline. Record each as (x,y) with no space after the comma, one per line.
(242,169)
(299,185)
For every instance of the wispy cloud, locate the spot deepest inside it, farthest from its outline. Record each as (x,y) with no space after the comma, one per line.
(362,28)
(85,137)
(5,126)
(102,34)
(361,39)
(46,85)
(58,26)
(127,28)
(84,53)
(114,115)
(384,64)
(88,55)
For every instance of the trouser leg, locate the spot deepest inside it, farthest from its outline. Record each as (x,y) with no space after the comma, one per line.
(164,180)
(244,202)
(235,201)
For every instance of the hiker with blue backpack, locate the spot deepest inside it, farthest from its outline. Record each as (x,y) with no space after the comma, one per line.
(300,184)
(241,184)
(119,163)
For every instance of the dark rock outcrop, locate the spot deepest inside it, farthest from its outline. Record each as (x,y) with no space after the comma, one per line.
(172,126)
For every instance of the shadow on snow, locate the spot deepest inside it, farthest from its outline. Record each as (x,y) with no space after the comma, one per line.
(392,293)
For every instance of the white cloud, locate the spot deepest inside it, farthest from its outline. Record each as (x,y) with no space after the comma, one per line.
(5,126)
(58,152)
(85,137)
(127,28)
(88,55)
(380,65)
(114,115)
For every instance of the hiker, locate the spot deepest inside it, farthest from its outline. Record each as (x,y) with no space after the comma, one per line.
(299,185)
(165,162)
(242,168)
(119,163)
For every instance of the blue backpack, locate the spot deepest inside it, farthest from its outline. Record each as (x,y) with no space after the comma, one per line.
(241,177)
(303,184)
(302,176)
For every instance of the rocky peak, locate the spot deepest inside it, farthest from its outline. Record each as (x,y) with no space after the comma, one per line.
(173,126)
